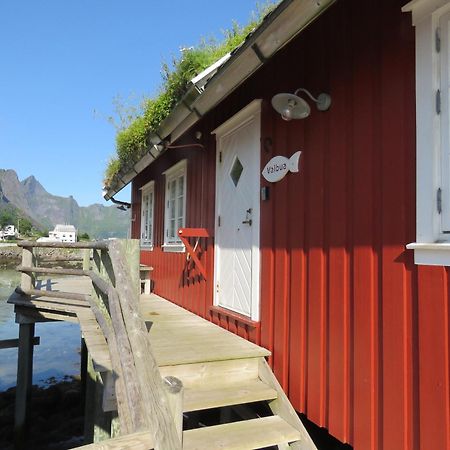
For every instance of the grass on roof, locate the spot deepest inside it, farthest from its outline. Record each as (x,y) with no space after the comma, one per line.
(131,138)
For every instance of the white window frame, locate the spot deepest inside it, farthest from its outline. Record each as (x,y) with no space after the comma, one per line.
(174,243)
(148,189)
(432,246)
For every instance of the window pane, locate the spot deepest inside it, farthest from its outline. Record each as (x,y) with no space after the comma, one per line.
(172,209)
(180,208)
(181,186)
(236,171)
(147,217)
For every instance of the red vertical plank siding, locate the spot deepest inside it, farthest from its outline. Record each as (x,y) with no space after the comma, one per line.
(359,334)
(365,260)
(395,304)
(339,258)
(297,278)
(281,292)
(266,235)
(433,316)
(314,162)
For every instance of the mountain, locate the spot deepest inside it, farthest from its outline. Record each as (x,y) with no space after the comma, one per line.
(30,199)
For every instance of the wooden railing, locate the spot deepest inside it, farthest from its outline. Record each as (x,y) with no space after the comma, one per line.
(146,403)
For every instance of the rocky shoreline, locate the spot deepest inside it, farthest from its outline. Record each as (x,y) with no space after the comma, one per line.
(56,416)
(10,256)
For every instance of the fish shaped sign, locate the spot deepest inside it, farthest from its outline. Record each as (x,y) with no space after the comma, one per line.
(279,166)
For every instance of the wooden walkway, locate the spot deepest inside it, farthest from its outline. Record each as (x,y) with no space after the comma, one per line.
(217,369)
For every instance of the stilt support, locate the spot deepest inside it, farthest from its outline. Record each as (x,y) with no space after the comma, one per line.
(24,383)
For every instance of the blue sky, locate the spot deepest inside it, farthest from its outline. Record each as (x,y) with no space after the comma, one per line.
(63,62)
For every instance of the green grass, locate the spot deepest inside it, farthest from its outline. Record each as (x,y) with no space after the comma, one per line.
(132,140)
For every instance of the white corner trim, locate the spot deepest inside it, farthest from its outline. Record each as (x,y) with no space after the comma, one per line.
(431,253)
(421,9)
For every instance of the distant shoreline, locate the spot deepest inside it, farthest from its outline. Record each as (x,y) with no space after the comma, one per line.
(10,256)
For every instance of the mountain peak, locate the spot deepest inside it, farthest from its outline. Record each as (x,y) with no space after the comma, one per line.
(30,197)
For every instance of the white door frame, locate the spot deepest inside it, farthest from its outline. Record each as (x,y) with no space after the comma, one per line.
(251,113)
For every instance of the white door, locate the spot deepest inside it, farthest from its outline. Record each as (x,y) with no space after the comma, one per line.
(237,279)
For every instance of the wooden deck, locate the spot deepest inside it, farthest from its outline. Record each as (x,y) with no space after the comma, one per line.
(217,368)
(180,337)
(177,335)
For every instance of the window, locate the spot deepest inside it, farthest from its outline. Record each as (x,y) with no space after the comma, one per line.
(147,214)
(175,205)
(431,19)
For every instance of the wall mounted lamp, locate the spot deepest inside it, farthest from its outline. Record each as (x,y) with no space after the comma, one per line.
(291,106)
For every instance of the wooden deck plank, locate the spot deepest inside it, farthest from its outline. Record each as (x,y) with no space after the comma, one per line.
(180,337)
(242,435)
(207,397)
(214,373)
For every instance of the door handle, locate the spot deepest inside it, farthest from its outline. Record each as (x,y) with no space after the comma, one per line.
(248,220)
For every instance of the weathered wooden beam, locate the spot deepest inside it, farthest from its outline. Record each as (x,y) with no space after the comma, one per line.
(97,423)
(133,396)
(104,320)
(98,282)
(25,314)
(51,270)
(60,259)
(175,391)
(26,279)
(87,259)
(137,441)
(158,415)
(52,294)
(24,383)
(80,245)
(14,343)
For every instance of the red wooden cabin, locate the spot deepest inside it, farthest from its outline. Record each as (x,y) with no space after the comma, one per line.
(358,324)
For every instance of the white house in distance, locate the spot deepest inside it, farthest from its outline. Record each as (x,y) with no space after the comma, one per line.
(61,233)
(9,231)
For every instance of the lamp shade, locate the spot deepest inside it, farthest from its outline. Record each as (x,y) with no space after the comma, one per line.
(290,106)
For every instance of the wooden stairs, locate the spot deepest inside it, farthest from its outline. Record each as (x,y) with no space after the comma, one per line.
(238,383)
(221,373)
(230,385)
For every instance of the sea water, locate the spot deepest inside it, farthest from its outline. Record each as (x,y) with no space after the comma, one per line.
(57,356)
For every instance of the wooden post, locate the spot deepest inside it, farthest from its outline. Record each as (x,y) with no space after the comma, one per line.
(153,398)
(27,278)
(83,370)
(174,391)
(132,255)
(86,259)
(89,403)
(24,383)
(97,424)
